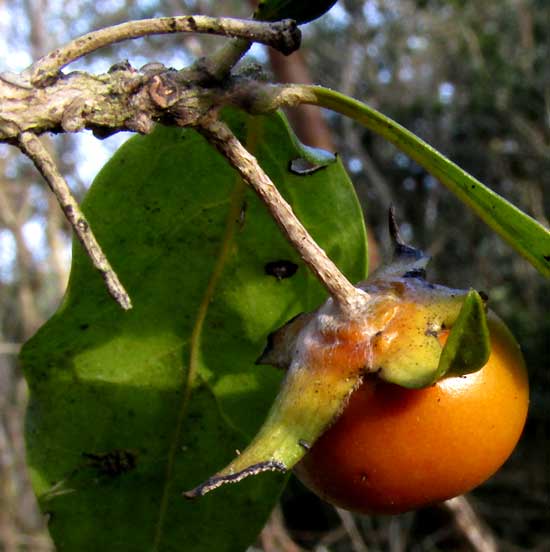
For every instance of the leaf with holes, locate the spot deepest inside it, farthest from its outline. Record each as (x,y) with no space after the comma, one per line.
(128,409)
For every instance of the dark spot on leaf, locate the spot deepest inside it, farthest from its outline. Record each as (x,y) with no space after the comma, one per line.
(303,167)
(281,269)
(547,258)
(84,326)
(113,463)
(484,296)
(242,215)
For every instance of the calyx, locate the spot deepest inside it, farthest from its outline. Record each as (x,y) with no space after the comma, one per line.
(326,355)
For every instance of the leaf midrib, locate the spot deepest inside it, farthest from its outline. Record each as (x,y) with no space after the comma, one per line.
(237,197)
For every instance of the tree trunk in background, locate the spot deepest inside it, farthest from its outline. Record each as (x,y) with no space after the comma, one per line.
(307,121)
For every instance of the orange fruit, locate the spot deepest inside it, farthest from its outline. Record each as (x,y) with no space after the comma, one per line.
(395,449)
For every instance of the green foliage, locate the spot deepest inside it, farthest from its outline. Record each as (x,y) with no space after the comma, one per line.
(129,409)
(468,346)
(299,10)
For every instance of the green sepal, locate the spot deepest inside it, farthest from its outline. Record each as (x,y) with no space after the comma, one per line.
(300,11)
(468,346)
(413,356)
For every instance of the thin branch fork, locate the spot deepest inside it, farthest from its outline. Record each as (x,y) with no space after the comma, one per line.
(41,99)
(45,164)
(349,298)
(281,35)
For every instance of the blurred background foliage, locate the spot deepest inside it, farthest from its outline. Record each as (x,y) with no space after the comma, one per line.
(471,78)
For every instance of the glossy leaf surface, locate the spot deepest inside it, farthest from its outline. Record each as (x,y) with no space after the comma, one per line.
(300,11)
(128,409)
(468,346)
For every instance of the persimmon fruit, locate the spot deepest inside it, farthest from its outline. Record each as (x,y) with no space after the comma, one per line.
(395,449)
(413,395)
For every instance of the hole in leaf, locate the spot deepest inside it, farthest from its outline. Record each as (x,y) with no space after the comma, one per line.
(303,167)
(281,269)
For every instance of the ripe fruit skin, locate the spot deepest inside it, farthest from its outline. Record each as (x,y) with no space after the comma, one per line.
(395,449)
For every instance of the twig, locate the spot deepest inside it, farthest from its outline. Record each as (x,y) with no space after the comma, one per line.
(274,536)
(14,218)
(355,537)
(33,148)
(349,298)
(471,525)
(8,538)
(54,229)
(503,217)
(282,35)
(10,348)
(219,64)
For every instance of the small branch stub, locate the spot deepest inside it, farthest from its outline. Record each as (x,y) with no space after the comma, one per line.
(33,148)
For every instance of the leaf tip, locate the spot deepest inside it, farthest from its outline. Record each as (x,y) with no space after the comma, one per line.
(224,478)
(468,347)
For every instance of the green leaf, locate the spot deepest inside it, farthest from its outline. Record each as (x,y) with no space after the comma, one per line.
(524,234)
(468,346)
(299,10)
(128,409)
